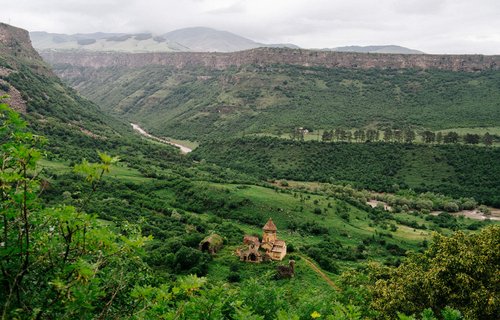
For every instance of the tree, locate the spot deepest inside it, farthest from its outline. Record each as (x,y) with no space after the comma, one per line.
(472,138)
(339,134)
(451,137)
(359,135)
(409,135)
(388,135)
(327,135)
(460,271)
(428,136)
(348,136)
(398,136)
(439,137)
(372,135)
(487,139)
(56,262)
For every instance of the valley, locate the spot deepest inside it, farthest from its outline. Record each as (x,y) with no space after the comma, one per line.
(184,149)
(107,217)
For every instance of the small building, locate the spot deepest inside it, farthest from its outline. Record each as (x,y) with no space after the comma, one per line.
(211,244)
(271,248)
(251,252)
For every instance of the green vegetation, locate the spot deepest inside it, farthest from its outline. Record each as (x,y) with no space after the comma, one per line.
(116,234)
(455,170)
(200,104)
(87,266)
(452,272)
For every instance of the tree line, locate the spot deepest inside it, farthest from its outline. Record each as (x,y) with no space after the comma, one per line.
(398,136)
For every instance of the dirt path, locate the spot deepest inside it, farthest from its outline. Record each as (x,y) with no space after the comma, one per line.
(472,214)
(184,149)
(320,273)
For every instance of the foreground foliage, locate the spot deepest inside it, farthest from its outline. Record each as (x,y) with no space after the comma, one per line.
(56,262)
(461,271)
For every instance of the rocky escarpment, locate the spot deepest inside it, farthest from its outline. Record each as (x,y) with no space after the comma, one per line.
(16,50)
(272,56)
(16,42)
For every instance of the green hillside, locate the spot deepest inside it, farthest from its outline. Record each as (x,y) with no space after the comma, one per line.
(118,236)
(200,104)
(74,126)
(457,170)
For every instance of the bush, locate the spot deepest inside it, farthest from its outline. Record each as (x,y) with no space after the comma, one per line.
(451,207)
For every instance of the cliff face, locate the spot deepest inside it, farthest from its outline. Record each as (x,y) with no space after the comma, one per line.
(271,56)
(16,43)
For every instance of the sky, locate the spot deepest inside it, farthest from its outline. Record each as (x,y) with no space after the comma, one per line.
(432,26)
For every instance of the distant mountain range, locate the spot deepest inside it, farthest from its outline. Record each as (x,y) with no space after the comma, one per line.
(196,39)
(377,49)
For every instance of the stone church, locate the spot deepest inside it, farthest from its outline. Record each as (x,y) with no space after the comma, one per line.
(271,248)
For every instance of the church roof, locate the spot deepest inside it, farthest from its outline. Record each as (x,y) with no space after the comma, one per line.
(270,226)
(279,243)
(247,239)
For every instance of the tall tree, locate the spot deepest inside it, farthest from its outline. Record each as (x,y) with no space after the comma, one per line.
(409,135)
(56,263)
(398,136)
(471,138)
(451,137)
(371,135)
(439,137)
(388,135)
(428,136)
(488,139)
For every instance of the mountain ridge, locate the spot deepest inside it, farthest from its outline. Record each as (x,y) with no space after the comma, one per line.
(377,49)
(191,39)
(272,56)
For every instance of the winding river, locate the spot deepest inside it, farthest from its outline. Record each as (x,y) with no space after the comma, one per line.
(143,132)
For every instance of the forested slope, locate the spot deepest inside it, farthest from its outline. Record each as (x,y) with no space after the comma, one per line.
(193,101)
(75,127)
(457,170)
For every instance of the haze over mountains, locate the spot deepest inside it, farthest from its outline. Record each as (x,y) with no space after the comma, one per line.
(195,39)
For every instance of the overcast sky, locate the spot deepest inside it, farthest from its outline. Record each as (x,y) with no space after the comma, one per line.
(433,26)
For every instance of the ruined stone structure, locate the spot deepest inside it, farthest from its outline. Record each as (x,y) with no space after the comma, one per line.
(211,244)
(286,272)
(271,248)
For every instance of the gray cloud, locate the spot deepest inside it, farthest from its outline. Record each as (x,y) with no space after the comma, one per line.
(434,26)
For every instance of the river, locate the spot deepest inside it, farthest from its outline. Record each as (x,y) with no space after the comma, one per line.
(143,132)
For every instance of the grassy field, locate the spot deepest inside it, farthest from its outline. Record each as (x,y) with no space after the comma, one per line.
(474,130)
(121,171)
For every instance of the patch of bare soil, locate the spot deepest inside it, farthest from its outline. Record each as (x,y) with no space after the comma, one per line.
(475,214)
(15,100)
(373,203)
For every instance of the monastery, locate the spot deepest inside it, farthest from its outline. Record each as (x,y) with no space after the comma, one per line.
(271,248)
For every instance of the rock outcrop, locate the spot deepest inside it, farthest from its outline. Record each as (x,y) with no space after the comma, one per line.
(16,41)
(264,57)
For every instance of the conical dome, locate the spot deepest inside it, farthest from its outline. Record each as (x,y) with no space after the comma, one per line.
(270,226)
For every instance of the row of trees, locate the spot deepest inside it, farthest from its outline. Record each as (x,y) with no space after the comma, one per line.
(401,136)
